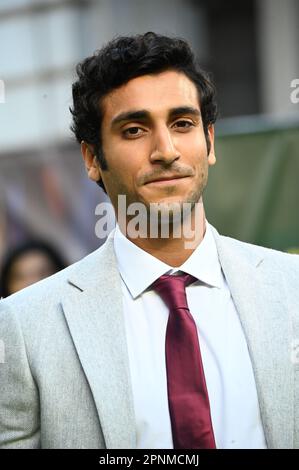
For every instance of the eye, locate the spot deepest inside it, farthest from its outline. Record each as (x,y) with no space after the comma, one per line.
(132,132)
(183,124)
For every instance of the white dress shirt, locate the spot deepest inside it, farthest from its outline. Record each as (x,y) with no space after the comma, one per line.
(229,376)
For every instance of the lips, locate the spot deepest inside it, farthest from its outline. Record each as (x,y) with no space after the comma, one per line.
(166,178)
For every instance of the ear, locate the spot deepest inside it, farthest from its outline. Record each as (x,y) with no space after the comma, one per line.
(91,163)
(211,156)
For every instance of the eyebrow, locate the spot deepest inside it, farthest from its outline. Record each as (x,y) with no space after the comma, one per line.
(142,115)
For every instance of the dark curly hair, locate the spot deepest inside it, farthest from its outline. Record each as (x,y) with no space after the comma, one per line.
(121,60)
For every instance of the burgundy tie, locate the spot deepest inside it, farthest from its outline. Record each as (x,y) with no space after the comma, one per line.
(188,398)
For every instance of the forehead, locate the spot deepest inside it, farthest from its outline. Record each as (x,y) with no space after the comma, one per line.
(154,93)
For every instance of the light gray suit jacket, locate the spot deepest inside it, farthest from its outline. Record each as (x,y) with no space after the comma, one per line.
(64,380)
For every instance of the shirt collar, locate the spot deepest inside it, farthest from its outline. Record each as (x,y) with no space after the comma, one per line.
(139,269)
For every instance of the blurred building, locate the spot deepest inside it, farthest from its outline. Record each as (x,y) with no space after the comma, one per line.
(251,47)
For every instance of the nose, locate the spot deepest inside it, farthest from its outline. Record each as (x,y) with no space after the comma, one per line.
(164,150)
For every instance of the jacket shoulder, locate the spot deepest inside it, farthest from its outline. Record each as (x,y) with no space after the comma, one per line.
(279,260)
(46,295)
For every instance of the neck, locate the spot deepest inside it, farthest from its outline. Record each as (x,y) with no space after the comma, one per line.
(174,250)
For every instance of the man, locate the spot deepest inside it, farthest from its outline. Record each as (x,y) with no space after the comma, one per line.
(153,341)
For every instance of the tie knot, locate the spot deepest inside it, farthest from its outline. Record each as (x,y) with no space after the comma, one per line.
(172,289)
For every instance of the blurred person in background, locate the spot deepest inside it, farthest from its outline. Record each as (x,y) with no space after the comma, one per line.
(28,263)
(149,342)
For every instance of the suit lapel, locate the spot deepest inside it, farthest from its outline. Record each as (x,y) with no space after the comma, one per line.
(94,313)
(260,298)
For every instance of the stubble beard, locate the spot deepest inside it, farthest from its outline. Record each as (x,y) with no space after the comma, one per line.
(169,217)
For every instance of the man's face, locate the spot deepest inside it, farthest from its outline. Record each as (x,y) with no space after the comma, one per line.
(154,142)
